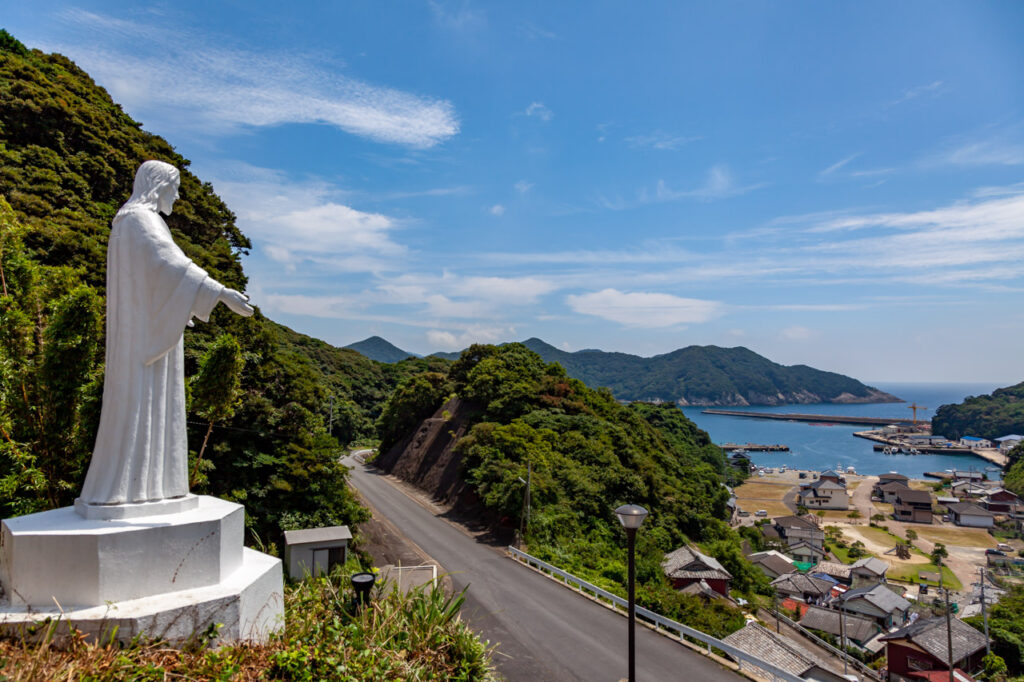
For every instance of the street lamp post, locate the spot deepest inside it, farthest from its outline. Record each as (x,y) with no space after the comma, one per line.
(631,516)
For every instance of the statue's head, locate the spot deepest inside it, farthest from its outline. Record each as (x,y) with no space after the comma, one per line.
(156,186)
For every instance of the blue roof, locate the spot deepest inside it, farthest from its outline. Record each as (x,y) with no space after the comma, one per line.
(971,438)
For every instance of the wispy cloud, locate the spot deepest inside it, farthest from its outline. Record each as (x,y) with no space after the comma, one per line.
(523,186)
(643,309)
(221,88)
(928,90)
(532,31)
(661,140)
(497,210)
(837,165)
(986,153)
(538,110)
(458,15)
(720,184)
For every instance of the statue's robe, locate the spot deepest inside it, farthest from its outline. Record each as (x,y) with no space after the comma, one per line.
(153,291)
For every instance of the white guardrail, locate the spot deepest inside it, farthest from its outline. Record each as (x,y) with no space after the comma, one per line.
(657,619)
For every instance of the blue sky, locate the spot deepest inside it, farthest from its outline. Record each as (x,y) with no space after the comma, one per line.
(835,184)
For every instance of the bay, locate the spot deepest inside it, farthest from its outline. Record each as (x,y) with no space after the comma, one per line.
(825,446)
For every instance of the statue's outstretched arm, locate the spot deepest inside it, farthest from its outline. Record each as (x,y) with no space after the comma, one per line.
(236,301)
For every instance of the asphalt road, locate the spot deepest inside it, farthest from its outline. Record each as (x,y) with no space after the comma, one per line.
(544,631)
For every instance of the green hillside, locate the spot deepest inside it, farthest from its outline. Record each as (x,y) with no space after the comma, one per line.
(708,375)
(68,156)
(588,454)
(984,416)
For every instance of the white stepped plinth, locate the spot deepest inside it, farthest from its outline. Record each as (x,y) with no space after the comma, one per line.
(165,575)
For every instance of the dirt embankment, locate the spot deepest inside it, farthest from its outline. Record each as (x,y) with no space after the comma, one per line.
(427,458)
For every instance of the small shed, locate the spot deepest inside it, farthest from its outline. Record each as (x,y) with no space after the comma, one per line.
(315,551)
(967,514)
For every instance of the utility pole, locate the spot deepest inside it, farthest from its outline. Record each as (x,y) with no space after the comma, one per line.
(984,612)
(330,420)
(949,625)
(775,605)
(524,515)
(842,636)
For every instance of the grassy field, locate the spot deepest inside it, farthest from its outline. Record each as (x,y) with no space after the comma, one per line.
(908,573)
(754,495)
(961,537)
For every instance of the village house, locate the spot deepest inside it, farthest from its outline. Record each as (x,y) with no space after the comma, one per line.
(923,440)
(868,570)
(825,493)
(879,603)
(794,529)
(888,492)
(975,442)
(969,475)
(892,477)
(971,515)
(759,641)
(841,573)
(968,489)
(806,552)
(923,646)
(1000,501)
(914,506)
(686,566)
(802,587)
(858,630)
(772,563)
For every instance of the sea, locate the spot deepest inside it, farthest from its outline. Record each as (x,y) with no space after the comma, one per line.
(817,447)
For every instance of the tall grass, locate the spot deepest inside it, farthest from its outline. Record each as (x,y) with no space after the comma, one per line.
(414,636)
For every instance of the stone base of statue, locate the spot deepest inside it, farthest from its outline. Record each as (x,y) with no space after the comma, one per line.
(172,571)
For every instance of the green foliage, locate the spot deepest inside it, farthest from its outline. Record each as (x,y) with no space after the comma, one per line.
(588,454)
(215,388)
(985,416)
(68,156)
(939,552)
(993,666)
(413,400)
(398,637)
(702,375)
(1006,628)
(1013,479)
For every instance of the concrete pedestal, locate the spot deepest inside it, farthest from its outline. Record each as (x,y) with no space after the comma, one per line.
(166,575)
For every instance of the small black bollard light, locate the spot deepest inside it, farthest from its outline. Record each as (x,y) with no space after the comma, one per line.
(362,583)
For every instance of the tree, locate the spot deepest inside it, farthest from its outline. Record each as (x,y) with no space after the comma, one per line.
(911,536)
(939,553)
(216,387)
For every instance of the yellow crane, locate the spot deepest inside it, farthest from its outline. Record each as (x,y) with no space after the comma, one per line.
(915,407)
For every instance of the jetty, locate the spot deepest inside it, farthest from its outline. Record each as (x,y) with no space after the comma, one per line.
(754,447)
(815,418)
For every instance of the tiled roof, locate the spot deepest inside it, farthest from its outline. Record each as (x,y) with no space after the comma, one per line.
(310,535)
(775,564)
(873,564)
(930,634)
(880,596)
(893,487)
(911,496)
(799,583)
(759,641)
(795,522)
(834,569)
(969,509)
(828,620)
(687,562)
(893,477)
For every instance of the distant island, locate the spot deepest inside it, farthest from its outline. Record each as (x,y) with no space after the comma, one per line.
(695,375)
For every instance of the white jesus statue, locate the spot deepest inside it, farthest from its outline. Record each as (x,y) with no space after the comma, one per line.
(153,292)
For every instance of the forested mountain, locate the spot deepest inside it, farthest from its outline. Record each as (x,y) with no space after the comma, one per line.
(984,416)
(499,408)
(381,350)
(68,156)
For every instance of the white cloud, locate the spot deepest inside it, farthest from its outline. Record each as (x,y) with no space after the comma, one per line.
(457,15)
(185,80)
(931,89)
(449,341)
(798,333)
(643,309)
(986,153)
(661,140)
(720,184)
(540,111)
(523,186)
(296,221)
(497,210)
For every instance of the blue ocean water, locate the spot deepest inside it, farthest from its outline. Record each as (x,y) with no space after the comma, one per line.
(820,446)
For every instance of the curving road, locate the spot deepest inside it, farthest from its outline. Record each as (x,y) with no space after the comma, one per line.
(544,631)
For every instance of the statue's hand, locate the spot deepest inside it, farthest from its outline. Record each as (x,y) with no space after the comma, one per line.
(237,302)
